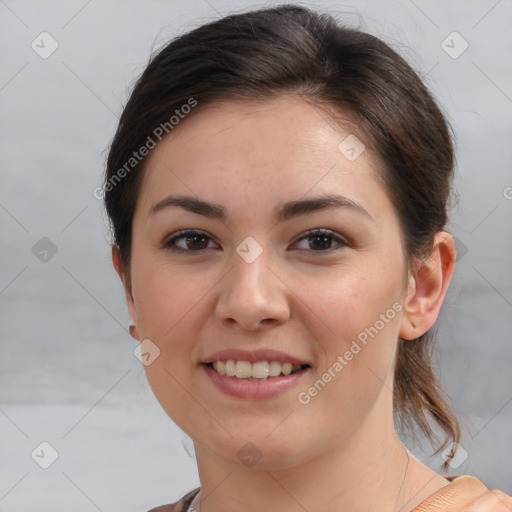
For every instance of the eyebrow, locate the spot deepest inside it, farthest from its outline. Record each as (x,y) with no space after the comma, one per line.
(282,213)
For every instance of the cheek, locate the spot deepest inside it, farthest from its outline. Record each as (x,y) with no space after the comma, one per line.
(361,310)
(357,367)
(166,300)
(169,304)
(350,301)
(166,295)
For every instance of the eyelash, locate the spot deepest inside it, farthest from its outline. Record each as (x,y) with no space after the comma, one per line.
(169,243)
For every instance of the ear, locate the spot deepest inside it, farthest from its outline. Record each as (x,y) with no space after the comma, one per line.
(427,288)
(118,265)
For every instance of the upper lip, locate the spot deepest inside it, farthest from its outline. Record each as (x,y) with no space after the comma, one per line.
(253,356)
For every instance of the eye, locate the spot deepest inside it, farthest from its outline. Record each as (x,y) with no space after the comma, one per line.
(187,241)
(317,240)
(323,240)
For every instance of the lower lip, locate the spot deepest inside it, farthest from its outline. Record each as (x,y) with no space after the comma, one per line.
(254,389)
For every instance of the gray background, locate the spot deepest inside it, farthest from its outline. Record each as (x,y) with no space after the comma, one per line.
(67,369)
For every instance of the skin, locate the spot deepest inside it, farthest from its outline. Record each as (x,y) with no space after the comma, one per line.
(251,158)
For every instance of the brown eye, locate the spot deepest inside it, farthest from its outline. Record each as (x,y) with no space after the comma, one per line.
(322,241)
(187,241)
(196,241)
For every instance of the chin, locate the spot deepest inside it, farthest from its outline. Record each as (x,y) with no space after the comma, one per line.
(258,452)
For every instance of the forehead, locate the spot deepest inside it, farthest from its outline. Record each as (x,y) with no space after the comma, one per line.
(259,152)
(273,128)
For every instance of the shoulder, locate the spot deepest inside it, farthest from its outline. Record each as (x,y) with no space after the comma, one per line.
(180,506)
(463,491)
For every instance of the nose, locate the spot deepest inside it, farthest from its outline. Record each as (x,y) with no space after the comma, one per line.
(252,295)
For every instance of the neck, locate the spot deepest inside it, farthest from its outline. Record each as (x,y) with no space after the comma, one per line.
(371,470)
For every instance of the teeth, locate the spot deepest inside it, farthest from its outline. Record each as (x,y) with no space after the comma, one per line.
(220,367)
(243,369)
(230,368)
(274,368)
(259,370)
(287,368)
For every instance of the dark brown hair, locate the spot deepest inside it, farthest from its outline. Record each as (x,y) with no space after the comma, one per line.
(290,49)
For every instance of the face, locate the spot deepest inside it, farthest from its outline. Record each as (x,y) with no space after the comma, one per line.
(258,260)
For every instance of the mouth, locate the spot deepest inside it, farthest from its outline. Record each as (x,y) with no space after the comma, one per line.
(257,371)
(258,380)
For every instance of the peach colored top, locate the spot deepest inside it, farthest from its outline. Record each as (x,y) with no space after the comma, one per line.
(455,496)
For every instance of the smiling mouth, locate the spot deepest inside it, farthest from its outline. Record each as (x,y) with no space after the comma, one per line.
(260,370)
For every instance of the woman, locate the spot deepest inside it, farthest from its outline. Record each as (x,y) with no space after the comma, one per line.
(277,189)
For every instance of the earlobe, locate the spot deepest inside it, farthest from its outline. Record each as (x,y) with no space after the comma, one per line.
(133,331)
(427,288)
(118,265)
